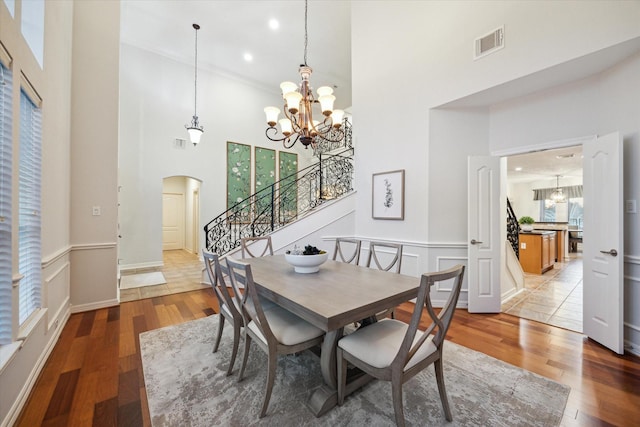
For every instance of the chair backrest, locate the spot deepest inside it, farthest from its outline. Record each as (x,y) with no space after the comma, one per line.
(377,252)
(341,245)
(251,246)
(214,271)
(440,322)
(240,272)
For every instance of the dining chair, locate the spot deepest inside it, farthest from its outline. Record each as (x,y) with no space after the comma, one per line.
(351,256)
(264,243)
(378,252)
(393,250)
(276,331)
(229,306)
(391,350)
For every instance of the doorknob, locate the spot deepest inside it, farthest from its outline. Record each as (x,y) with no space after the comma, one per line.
(475,242)
(612,252)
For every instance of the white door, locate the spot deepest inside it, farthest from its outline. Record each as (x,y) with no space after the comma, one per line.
(196,222)
(486,215)
(603,237)
(172,221)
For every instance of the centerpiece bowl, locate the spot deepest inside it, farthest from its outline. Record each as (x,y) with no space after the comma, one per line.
(306,263)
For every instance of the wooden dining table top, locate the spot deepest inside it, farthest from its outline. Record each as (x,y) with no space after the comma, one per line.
(337,295)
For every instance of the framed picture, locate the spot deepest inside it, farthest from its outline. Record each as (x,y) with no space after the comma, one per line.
(288,169)
(238,178)
(388,195)
(264,177)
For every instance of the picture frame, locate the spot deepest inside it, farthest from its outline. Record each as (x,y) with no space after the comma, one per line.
(387,195)
(238,178)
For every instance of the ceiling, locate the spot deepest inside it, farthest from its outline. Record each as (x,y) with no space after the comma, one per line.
(229,29)
(541,165)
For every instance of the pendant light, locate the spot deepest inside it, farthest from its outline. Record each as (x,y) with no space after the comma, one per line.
(558,196)
(194,129)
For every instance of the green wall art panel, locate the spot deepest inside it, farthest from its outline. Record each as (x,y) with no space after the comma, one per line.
(238,176)
(265,177)
(288,187)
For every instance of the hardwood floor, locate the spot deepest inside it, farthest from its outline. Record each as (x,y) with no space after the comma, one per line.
(94,374)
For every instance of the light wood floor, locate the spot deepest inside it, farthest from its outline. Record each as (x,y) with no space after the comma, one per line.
(94,374)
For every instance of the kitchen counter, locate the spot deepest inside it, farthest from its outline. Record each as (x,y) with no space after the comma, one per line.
(539,232)
(537,251)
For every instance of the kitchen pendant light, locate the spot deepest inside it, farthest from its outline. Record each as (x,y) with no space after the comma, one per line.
(558,196)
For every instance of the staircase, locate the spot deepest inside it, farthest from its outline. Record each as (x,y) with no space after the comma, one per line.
(513,229)
(287,200)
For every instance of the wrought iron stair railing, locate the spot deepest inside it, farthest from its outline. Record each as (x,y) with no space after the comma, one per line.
(284,201)
(513,229)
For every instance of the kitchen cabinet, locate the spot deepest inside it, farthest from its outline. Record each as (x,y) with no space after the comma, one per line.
(537,251)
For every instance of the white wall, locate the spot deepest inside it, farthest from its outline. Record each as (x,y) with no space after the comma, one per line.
(53,84)
(435,67)
(156,101)
(94,153)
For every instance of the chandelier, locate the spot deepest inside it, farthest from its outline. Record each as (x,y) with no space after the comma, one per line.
(194,129)
(299,123)
(558,196)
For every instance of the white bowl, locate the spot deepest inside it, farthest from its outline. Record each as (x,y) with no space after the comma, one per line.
(306,263)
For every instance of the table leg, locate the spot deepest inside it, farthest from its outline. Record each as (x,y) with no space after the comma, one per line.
(325,397)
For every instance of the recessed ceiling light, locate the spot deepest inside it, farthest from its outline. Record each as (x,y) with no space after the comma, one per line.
(518,169)
(248,57)
(274,24)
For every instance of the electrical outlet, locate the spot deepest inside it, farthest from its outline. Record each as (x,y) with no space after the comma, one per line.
(523,245)
(631,207)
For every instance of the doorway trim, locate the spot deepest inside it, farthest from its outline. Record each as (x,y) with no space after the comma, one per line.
(544,147)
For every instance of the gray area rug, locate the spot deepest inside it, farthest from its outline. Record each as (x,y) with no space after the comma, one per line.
(186,386)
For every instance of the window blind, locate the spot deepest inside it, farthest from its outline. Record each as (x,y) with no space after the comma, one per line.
(29,249)
(5,205)
(572,192)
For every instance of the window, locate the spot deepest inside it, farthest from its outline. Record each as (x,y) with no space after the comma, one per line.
(570,212)
(11,5)
(5,205)
(30,259)
(32,27)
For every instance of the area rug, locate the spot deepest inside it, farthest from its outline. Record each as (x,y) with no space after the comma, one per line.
(130,281)
(186,386)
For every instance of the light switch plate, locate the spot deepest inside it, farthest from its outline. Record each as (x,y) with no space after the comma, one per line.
(96,211)
(631,207)
(523,245)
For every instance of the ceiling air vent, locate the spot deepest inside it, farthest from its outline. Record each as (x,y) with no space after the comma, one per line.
(180,143)
(489,43)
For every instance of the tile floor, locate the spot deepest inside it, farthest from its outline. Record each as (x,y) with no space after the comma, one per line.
(182,270)
(554,298)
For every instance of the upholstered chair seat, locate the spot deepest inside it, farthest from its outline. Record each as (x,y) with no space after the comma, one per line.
(377,344)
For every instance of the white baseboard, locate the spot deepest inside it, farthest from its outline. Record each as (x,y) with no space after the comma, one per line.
(18,404)
(94,305)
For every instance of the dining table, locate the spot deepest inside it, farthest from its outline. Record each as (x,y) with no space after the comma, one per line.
(338,295)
